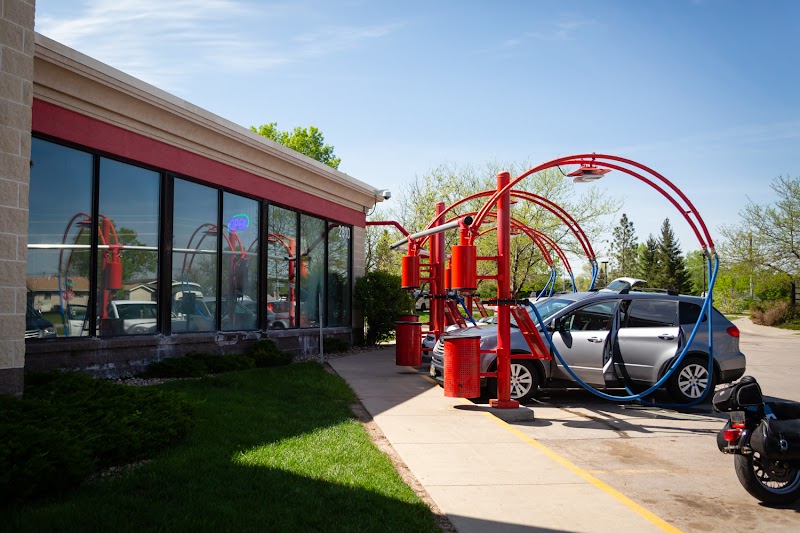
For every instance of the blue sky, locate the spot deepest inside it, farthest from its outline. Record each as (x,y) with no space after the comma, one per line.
(704,91)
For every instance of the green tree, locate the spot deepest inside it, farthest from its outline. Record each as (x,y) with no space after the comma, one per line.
(136,264)
(671,269)
(379,256)
(308,141)
(624,249)
(380,297)
(697,268)
(767,237)
(414,208)
(647,260)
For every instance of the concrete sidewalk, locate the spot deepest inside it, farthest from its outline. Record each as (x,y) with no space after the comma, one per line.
(482,472)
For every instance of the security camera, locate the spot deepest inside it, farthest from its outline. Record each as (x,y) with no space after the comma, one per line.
(385,193)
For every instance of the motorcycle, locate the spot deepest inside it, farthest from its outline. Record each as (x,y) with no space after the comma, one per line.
(764,438)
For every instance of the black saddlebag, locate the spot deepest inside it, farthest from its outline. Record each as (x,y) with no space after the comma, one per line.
(777,439)
(746,392)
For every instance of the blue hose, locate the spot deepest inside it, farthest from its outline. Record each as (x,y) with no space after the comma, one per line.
(706,309)
(464,305)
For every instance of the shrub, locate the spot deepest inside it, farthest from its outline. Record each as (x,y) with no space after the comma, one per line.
(335,344)
(39,461)
(382,299)
(177,367)
(69,424)
(217,364)
(266,353)
(770,313)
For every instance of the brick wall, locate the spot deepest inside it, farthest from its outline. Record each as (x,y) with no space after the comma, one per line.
(16,92)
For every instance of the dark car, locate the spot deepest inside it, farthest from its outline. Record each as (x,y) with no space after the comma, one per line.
(647,330)
(37,326)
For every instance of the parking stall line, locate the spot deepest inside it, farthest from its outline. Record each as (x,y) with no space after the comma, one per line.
(627,502)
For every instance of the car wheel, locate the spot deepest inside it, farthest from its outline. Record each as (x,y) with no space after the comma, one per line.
(690,380)
(524,380)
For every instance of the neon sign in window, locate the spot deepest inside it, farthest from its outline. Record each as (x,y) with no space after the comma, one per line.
(239,222)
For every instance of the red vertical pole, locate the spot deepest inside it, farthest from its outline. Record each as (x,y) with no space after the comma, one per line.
(503,400)
(437,274)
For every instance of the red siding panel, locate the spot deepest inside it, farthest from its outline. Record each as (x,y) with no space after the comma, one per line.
(67,125)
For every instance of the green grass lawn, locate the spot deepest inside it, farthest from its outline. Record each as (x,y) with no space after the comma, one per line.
(274,449)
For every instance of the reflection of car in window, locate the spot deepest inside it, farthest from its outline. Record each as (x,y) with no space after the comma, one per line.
(36,325)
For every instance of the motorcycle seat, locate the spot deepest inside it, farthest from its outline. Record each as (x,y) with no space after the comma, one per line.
(785,409)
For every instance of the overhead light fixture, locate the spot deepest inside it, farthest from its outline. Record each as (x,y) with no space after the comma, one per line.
(588,173)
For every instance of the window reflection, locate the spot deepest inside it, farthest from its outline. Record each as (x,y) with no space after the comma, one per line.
(338,313)
(194,257)
(215,256)
(127,256)
(58,240)
(312,278)
(281,268)
(239,291)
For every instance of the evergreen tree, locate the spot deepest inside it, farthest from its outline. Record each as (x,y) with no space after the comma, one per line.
(647,261)
(624,249)
(672,272)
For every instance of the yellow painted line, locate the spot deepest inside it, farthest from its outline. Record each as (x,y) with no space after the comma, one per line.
(644,471)
(627,502)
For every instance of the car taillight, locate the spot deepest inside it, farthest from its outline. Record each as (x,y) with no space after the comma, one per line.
(732,435)
(733,331)
(269,306)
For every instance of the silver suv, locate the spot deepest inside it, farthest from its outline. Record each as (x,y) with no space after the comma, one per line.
(603,336)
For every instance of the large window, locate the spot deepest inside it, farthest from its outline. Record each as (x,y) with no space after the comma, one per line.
(194,257)
(59,238)
(103,262)
(239,291)
(338,313)
(282,268)
(127,253)
(312,269)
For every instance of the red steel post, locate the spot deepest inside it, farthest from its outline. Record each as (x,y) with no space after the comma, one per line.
(503,400)
(437,274)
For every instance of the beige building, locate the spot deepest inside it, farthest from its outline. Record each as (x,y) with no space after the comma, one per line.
(114,192)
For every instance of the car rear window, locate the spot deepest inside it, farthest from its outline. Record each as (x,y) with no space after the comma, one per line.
(689,313)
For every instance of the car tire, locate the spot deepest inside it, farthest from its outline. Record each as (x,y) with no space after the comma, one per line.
(525,381)
(690,380)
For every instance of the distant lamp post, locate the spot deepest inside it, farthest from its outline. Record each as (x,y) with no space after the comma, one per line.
(604,262)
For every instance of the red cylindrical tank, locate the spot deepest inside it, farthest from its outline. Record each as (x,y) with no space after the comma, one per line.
(462,366)
(464,266)
(113,275)
(410,272)
(408,348)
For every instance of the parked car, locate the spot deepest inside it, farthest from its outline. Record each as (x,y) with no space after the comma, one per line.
(37,326)
(78,320)
(646,330)
(422,301)
(281,313)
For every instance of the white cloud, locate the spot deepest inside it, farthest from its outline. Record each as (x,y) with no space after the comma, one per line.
(165,41)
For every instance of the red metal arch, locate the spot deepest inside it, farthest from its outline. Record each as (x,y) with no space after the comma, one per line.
(681,203)
(549,205)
